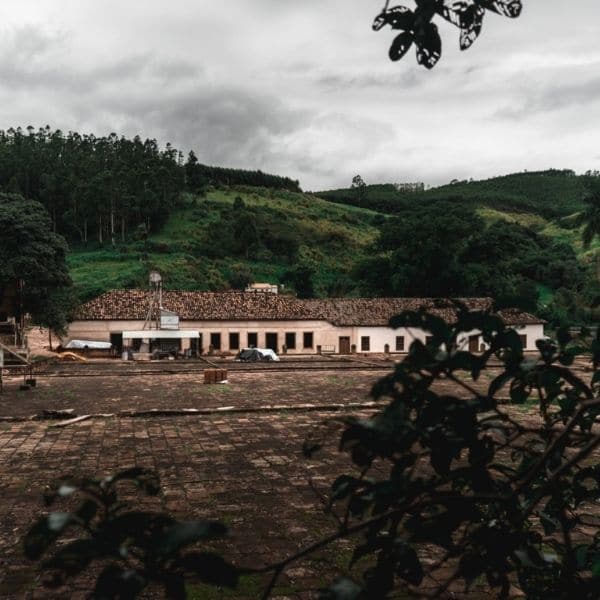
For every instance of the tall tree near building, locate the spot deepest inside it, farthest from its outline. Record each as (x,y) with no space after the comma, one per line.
(31,252)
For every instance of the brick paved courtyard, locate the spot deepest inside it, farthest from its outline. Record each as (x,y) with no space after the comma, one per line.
(246,469)
(113,394)
(243,467)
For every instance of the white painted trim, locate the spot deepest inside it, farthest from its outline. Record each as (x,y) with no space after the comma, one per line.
(158,334)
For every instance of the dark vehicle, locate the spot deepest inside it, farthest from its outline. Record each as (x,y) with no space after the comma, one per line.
(254,355)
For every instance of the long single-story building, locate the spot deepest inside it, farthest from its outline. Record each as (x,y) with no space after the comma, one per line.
(228,321)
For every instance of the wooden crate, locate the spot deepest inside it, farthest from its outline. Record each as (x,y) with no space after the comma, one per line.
(212,376)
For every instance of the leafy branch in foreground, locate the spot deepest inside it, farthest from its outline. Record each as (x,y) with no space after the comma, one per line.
(451,483)
(134,548)
(417,27)
(485,493)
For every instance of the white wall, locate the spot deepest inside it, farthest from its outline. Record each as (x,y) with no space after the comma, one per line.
(380,336)
(533,333)
(324,334)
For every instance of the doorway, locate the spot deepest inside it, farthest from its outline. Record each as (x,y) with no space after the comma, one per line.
(116,339)
(196,346)
(252,340)
(344,345)
(271,341)
(473,343)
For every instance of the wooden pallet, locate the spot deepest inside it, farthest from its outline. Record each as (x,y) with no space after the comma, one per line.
(13,359)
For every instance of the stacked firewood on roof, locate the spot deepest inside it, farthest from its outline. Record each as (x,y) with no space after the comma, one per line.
(240,306)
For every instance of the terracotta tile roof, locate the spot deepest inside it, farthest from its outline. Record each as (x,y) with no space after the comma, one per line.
(241,306)
(514,316)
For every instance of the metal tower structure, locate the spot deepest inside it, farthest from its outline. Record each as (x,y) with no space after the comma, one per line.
(155,304)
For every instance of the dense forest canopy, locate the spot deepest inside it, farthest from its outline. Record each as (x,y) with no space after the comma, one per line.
(103,187)
(552,194)
(460,255)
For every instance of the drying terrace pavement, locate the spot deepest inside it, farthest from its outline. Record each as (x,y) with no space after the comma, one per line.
(243,466)
(117,387)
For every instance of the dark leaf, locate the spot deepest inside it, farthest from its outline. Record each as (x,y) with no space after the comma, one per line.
(73,558)
(116,583)
(398,17)
(43,534)
(507,8)
(401,45)
(185,533)
(519,391)
(174,585)
(471,566)
(210,568)
(429,45)
(408,565)
(343,486)
(342,589)
(145,479)
(471,32)
(87,511)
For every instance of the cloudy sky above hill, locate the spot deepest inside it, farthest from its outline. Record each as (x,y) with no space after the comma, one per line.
(305,89)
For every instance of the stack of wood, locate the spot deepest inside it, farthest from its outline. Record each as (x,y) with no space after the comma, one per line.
(215,375)
(252,306)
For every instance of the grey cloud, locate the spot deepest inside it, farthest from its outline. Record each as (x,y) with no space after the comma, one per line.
(385,80)
(224,125)
(306,89)
(555,94)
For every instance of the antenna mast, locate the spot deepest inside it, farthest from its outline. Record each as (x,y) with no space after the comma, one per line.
(155,305)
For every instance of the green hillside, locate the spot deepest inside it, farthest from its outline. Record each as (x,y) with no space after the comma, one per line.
(201,245)
(564,229)
(197,248)
(546,201)
(126,206)
(551,194)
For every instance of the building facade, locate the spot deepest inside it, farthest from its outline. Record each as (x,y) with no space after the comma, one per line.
(229,321)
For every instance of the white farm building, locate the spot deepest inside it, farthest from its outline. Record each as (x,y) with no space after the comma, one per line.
(197,322)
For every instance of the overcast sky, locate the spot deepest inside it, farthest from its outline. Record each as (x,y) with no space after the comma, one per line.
(304,87)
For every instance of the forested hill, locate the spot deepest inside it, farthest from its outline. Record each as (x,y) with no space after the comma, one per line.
(549,194)
(128,206)
(101,188)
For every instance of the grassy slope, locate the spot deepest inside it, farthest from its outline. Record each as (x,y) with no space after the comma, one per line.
(332,235)
(546,201)
(551,194)
(549,227)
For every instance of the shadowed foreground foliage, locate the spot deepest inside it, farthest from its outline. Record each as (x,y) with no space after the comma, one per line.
(135,547)
(444,490)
